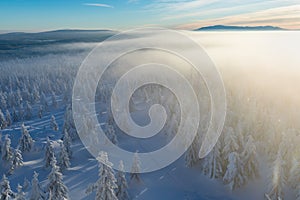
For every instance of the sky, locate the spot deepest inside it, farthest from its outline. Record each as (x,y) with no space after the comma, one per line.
(37,15)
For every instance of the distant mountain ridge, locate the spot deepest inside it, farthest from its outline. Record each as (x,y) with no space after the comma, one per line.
(239,28)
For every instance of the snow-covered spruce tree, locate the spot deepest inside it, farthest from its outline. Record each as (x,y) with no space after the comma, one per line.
(53,124)
(249,159)
(56,187)
(2,121)
(234,175)
(15,116)
(40,112)
(1,143)
(20,195)
(211,165)
(278,178)
(21,112)
(192,154)
(230,142)
(26,142)
(136,168)
(49,153)
(106,184)
(35,95)
(26,184)
(6,149)
(5,191)
(3,104)
(44,102)
(64,160)
(54,101)
(298,193)
(37,192)
(121,191)
(28,111)
(67,141)
(8,118)
(294,176)
(16,161)
(110,133)
(69,124)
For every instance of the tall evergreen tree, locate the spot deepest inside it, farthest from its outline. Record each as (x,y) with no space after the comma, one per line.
(211,165)
(5,191)
(136,168)
(53,124)
(234,175)
(20,194)
(106,185)
(8,118)
(15,116)
(56,187)
(278,178)
(294,178)
(249,158)
(26,142)
(49,153)
(7,152)
(2,121)
(64,160)
(28,111)
(16,161)
(121,191)
(67,141)
(37,192)
(69,124)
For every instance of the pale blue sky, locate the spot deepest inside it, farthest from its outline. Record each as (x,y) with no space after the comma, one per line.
(124,14)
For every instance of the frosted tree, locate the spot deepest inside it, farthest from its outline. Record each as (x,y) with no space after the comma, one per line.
(298,193)
(69,125)
(21,112)
(211,165)
(294,176)
(35,94)
(7,152)
(54,101)
(3,104)
(20,195)
(37,192)
(26,142)
(2,120)
(49,153)
(56,187)
(26,184)
(8,118)
(121,191)
(192,155)
(53,124)
(1,143)
(40,112)
(64,160)
(249,158)
(67,141)
(110,133)
(15,116)
(44,102)
(136,168)
(16,161)
(230,141)
(106,184)
(234,172)
(28,111)
(278,178)
(6,192)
